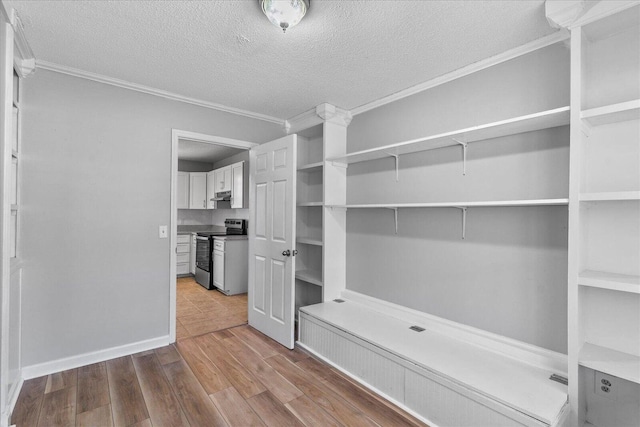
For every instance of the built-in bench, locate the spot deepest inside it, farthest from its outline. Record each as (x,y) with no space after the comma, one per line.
(447,376)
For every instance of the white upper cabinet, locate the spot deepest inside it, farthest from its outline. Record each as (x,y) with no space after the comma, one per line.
(211,190)
(182,199)
(237,179)
(223,179)
(198,190)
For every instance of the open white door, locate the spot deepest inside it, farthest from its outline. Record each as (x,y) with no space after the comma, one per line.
(272,236)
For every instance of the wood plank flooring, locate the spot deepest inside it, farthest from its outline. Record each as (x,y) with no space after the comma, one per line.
(200,311)
(231,377)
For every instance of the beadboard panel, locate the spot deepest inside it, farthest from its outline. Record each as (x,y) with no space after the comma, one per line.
(356,357)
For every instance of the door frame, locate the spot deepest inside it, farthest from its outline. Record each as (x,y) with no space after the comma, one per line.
(176,136)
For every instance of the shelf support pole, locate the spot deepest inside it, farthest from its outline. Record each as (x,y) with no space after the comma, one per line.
(397,158)
(464,154)
(395,216)
(464,219)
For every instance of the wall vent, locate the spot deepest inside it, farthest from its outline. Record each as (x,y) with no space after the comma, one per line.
(338,300)
(559,378)
(416,328)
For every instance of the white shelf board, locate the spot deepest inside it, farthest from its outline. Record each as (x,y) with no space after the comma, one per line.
(309,276)
(612,362)
(307,204)
(612,281)
(311,166)
(610,196)
(532,122)
(309,241)
(614,113)
(498,203)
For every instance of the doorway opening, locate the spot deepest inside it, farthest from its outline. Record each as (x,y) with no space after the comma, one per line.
(209,185)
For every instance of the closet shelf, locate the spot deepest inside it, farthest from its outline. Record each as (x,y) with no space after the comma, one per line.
(612,362)
(311,166)
(614,113)
(610,196)
(309,241)
(612,281)
(499,203)
(309,276)
(308,204)
(532,122)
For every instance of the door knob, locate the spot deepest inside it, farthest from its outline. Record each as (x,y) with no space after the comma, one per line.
(286,253)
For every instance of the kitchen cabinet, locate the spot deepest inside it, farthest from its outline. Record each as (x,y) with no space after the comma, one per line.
(183,254)
(223,179)
(182,199)
(237,185)
(192,258)
(211,190)
(230,265)
(198,190)
(218,264)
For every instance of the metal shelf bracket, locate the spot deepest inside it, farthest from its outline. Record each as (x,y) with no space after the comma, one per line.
(464,219)
(464,154)
(395,216)
(397,158)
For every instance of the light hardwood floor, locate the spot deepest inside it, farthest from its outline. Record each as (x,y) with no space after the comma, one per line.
(199,311)
(235,377)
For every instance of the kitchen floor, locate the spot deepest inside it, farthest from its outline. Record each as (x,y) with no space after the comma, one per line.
(200,311)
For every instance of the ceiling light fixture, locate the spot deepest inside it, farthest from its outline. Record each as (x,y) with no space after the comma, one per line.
(284,13)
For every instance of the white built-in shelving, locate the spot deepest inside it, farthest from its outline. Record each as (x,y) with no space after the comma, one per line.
(309,241)
(616,363)
(465,204)
(604,220)
(309,204)
(309,276)
(310,166)
(528,123)
(620,112)
(610,196)
(612,281)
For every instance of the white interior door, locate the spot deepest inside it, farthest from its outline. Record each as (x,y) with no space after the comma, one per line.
(272,238)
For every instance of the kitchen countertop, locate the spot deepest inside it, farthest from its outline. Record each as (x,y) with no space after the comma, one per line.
(188,229)
(232,237)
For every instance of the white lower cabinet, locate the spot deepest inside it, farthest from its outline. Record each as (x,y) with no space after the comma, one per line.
(183,254)
(192,264)
(218,266)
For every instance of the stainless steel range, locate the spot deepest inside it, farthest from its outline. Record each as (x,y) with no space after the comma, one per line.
(204,249)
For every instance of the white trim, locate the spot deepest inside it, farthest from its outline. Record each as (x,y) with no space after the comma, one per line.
(560,14)
(318,115)
(13,396)
(176,136)
(526,353)
(540,43)
(367,385)
(24,60)
(35,371)
(601,10)
(63,69)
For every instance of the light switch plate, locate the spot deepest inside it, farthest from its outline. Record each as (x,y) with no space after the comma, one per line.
(162,232)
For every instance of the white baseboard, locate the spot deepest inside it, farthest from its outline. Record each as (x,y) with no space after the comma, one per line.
(367,385)
(527,353)
(72,362)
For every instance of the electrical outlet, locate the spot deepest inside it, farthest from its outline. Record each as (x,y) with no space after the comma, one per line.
(606,385)
(162,232)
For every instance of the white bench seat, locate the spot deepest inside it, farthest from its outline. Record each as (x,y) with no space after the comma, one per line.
(488,377)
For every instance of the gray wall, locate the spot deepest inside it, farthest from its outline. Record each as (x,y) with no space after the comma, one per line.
(96,186)
(509,275)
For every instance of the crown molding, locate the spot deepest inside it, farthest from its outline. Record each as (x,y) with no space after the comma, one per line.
(561,13)
(601,10)
(320,114)
(557,37)
(24,60)
(45,65)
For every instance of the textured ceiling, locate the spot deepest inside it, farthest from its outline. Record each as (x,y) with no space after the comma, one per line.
(346,53)
(204,152)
